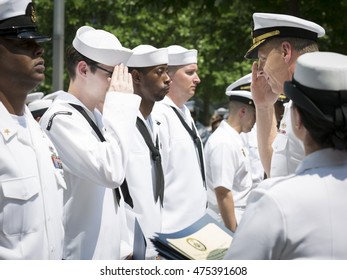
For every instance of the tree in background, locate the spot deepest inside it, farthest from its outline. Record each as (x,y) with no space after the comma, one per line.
(219,29)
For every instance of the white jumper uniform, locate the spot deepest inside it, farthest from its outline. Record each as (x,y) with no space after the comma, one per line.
(94,225)
(140,176)
(185,196)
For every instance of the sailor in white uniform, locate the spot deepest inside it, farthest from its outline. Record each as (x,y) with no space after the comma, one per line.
(94,147)
(144,173)
(185,199)
(228,167)
(31,174)
(278,40)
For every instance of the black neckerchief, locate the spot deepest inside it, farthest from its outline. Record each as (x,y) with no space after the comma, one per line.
(124,186)
(196,141)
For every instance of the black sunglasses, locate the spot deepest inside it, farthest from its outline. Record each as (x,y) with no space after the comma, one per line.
(103,69)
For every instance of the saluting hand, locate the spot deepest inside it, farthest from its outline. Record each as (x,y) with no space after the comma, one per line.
(262,94)
(121,80)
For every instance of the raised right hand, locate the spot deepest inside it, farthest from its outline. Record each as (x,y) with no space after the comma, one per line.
(121,80)
(262,94)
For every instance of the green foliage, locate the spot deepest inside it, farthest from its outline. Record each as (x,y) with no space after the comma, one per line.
(218,29)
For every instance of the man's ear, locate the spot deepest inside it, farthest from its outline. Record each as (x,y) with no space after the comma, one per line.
(242,111)
(136,75)
(286,49)
(82,68)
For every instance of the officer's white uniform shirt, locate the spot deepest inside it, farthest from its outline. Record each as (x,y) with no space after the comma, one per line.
(140,176)
(301,216)
(94,224)
(185,195)
(288,150)
(227,165)
(31,191)
(251,143)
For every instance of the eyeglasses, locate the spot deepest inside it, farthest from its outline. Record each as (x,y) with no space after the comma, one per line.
(103,69)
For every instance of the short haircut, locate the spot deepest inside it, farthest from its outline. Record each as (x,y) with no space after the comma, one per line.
(172,69)
(235,105)
(300,45)
(73,57)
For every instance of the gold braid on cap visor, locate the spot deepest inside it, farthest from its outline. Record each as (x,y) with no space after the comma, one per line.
(261,38)
(248,87)
(243,87)
(265,36)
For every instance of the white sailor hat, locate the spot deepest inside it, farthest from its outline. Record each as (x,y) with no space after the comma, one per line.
(38,103)
(39,107)
(267,26)
(240,90)
(147,56)
(221,111)
(100,46)
(181,56)
(33,96)
(319,86)
(18,20)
